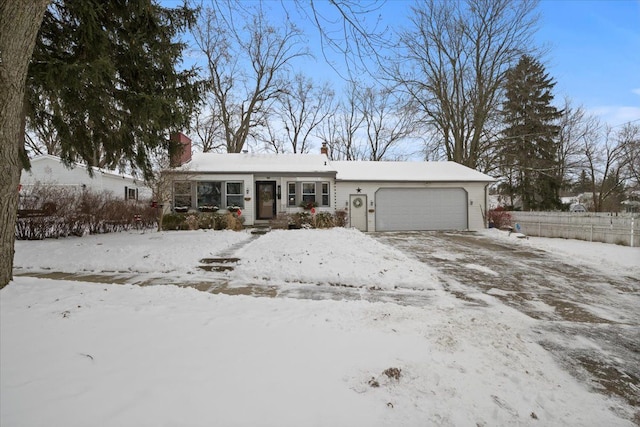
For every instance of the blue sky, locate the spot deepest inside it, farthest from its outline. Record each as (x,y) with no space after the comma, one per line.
(594,54)
(592,51)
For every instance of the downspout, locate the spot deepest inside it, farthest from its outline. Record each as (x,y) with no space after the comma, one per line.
(486,204)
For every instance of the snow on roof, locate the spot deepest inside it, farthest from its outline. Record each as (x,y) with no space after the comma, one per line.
(346,170)
(95,169)
(256,163)
(407,171)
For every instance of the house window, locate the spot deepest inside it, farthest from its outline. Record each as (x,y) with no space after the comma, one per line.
(308,192)
(291,193)
(182,195)
(130,193)
(325,194)
(209,193)
(234,194)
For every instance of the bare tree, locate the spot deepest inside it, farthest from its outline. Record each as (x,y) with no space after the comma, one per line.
(297,113)
(630,138)
(208,127)
(387,121)
(340,129)
(246,60)
(453,63)
(161,182)
(604,156)
(351,29)
(329,132)
(575,125)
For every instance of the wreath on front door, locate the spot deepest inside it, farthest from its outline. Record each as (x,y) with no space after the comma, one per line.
(265,195)
(357,203)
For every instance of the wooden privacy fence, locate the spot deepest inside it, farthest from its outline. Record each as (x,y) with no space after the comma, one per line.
(621,229)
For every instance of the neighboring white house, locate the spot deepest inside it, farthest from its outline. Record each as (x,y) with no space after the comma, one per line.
(49,170)
(377,196)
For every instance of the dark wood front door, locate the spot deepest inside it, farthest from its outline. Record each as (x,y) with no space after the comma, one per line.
(266,199)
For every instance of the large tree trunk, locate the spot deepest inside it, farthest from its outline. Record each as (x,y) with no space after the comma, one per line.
(19,24)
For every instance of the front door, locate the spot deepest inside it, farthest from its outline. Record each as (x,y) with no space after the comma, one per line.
(266,199)
(358,211)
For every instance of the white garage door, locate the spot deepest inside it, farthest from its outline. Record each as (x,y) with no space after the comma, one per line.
(407,209)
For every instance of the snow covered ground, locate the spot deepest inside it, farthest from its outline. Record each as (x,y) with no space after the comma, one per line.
(77,354)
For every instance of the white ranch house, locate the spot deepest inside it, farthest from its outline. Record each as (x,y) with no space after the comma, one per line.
(49,170)
(377,196)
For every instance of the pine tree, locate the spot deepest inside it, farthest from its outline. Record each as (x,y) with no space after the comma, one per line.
(105,76)
(19,23)
(583,184)
(528,150)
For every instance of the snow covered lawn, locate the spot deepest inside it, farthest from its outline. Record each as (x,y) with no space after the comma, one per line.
(77,354)
(343,257)
(149,252)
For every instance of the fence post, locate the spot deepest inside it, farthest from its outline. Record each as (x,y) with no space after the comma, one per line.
(539,235)
(631,232)
(591,235)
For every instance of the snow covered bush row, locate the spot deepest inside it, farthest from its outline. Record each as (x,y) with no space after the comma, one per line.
(53,212)
(202,221)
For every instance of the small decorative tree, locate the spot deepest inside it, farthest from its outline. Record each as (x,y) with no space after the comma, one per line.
(308,205)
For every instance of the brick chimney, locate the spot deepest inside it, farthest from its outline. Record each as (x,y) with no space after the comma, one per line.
(180,150)
(324,149)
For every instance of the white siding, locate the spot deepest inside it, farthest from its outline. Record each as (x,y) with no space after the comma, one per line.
(48,170)
(475,197)
(249,180)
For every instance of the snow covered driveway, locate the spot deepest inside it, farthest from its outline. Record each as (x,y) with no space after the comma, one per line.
(588,310)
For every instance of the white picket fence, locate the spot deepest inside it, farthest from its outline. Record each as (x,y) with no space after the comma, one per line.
(621,229)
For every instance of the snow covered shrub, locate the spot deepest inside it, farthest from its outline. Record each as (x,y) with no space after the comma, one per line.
(206,221)
(192,221)
(36,228)
(233,221)
(195,221)
(324,220)
(173,221)
(499,218)
(320,220)
(300,220)
(220,222)
(340,218)
(280,222)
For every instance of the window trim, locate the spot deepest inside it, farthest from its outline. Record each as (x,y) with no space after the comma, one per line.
(303,194)
(198,192)
(130,193)
(227,194)
(323,194)
(188,184)
(292,201)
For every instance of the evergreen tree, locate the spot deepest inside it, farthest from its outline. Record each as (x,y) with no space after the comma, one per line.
(19,23)
(528,150)
(584,184)
(105,76)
